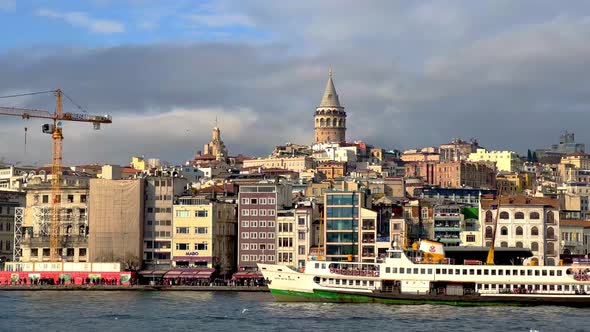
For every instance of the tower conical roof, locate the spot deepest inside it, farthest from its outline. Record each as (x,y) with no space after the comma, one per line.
(330,98)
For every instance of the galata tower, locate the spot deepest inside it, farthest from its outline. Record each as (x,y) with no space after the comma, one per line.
(330,118)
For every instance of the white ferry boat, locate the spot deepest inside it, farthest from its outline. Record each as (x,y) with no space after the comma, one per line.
(413,280)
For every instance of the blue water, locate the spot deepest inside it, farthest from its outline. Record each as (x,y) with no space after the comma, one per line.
(222,311)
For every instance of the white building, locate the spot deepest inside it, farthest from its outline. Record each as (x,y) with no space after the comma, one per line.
(523,222)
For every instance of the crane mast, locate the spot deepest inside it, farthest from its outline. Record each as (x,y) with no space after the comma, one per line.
(56,165)
(57,138)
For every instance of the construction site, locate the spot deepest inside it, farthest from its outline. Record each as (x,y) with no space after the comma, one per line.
(52,229)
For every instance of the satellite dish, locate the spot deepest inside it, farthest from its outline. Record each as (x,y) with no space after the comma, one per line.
(59,123)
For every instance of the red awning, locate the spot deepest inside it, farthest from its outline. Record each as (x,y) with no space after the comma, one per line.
(189,273)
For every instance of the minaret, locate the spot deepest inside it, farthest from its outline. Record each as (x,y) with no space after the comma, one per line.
(330,117)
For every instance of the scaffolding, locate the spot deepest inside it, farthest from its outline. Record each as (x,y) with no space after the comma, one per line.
(17,251)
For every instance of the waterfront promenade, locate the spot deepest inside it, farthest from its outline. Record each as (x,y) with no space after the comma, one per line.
(140,288)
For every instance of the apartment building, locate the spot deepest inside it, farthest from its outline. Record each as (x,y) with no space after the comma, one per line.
(74,228)
(523,222)
(9,201)
(116,221)
(204,234)
(258,206)
(160,192)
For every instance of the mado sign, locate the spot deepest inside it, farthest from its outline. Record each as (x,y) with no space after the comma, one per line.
(192,253)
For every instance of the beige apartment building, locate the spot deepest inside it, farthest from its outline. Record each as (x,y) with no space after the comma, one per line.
(204,234)
(73,230)
(296,164)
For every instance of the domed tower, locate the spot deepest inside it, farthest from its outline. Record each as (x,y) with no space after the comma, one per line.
(330,118)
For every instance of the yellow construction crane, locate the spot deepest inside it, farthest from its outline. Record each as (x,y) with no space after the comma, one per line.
(56,133)
(490,259)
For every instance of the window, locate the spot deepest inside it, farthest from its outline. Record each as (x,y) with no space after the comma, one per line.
(301,235)
(301,221)
(271,201)
(534,231)
(271,212)
(253,212)
(253,223)
(245,201)
(182,246)
(245,212)
(504,215)
(201,246)
(271,235)
(550,217)
(262,235)
(301,250)
(519,231)
(262,201)
(253,258)
(534,215)
(70,198)
(470,238)
(504,230)
(489,216)
(201,230)
(45,198)
(489,232)
(244,258)
(245,246)
(245,223)
(262,223)
(519,215)
(253,235)
(201,213)
(150,210)
(550,233)
(271,223)
(182,213)
(182,230)
(262,212)
(534,246)
(504,244)
(253,201)
(519,244)
(245,235)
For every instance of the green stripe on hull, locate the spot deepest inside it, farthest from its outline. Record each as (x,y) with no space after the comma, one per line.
(329,296)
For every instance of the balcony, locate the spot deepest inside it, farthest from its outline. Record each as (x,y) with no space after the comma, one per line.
(64,241)
(368,254)
(450,240)
(447,229)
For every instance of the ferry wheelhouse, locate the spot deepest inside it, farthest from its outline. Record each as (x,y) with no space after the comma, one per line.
(410,279)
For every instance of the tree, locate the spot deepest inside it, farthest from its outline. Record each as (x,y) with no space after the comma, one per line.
(529,155)
(131,262)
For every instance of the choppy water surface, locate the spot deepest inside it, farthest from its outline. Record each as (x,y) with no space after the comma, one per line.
(208,311)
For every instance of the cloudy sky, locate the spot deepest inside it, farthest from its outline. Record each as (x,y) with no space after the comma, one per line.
(513,74)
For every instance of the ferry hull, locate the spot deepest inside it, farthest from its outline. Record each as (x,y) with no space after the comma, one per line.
(404,299)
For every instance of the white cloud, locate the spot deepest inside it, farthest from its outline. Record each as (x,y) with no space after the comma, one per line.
(8,5)
(79,19)
(221,20)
